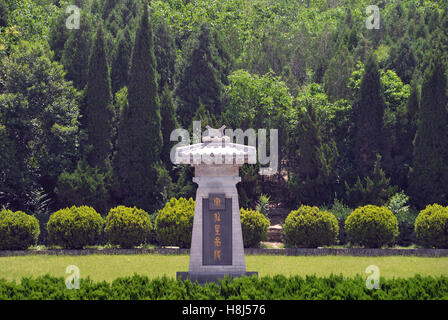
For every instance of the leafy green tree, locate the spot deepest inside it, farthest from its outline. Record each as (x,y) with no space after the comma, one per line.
(38,114)
(98,113)
(139,140)
(198,78)
(429,175)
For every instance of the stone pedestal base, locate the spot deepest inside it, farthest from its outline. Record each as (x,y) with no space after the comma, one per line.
(204,277)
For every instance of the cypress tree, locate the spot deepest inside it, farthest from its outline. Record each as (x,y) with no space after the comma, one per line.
(165,51)
(429,176)
(98,112)
(308,177)
(368,120)
(199,79)
(121,61)
(169,123)
(139,134)
(75,57)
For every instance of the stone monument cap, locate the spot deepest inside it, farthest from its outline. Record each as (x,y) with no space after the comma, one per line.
(216,149)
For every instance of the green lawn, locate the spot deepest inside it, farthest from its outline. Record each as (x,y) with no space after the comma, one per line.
(109,267)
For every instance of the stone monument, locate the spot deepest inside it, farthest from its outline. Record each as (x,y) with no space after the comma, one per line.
(217,241)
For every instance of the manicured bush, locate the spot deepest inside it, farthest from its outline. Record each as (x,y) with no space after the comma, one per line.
(431,226)
(254,226)
(309,227)
(372,226)
(18,230)
(174,223)
(127,227)
(75,227)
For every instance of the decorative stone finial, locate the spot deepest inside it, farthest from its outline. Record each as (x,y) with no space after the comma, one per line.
(215,135)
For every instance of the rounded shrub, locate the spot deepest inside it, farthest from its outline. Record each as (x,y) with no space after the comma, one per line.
(372,226)
(310,227)
(254,226)
(431,227)
(174,223)
(75,227)
(127,227)
(18,230)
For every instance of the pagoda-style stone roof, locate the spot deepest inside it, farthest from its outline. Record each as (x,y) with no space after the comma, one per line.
(216,149)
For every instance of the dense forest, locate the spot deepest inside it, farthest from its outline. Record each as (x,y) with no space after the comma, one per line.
(86,112)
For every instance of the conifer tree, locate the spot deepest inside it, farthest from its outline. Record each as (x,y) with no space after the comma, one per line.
(308,177)
(98,112)
(368,120)
(75,57)
(429,176)
(199,78)
(121,61)
(165,51)
(169,123)
(139,134)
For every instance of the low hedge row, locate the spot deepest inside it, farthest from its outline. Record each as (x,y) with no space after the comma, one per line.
(280,287)
(369,226)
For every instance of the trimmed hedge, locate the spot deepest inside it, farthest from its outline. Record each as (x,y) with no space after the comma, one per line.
(372,226)
(431,227)
(127,227)
(277,287)
(75,227)
(18,230)
(254,226)
(174,223)
(309,227)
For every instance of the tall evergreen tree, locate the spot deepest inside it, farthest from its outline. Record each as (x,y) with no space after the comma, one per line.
(199,79)
(169,123)
(139,134)
(75,57)
(429,175)
(309,175)
(97,114)
(121,61)
(368,120)
(165,51)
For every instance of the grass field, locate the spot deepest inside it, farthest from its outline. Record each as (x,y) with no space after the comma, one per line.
(110,267)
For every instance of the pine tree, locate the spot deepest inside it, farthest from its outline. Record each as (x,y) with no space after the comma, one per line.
(368,120)
(139,134)
(169,123)
(199,79)
(165,51)
(58,36)
(429,176)
(402,60)
(98,113)
(337,75)
(121,61)
(308,178)
(75,57)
